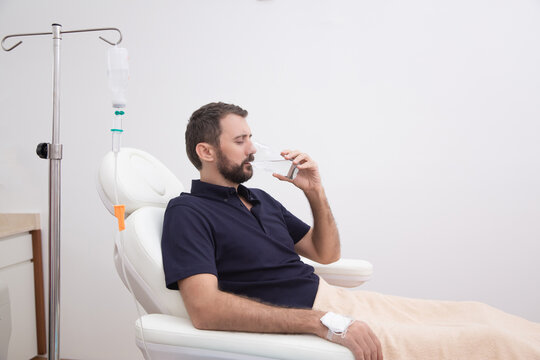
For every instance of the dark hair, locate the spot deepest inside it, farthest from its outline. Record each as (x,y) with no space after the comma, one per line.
(204,126)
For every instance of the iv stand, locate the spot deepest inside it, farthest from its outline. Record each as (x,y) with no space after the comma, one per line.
(53,152)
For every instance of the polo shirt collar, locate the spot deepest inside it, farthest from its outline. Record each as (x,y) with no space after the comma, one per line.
(218,192)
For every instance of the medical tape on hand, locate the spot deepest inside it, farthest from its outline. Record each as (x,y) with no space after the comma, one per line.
(335,322)
(330,334)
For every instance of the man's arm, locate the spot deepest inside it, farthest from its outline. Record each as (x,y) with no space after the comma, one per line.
(321,243)
(212,309)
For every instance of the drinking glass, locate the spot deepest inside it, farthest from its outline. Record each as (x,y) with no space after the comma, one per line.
(269,160)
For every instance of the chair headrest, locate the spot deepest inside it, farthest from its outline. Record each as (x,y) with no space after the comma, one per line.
(141,180)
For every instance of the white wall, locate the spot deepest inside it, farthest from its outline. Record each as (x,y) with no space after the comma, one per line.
(423,117)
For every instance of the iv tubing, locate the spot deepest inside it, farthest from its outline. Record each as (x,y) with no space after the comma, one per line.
(137,305)
(118,70)
(116,134)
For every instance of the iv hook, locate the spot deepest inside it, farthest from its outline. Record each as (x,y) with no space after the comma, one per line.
(63,32)
(20,42)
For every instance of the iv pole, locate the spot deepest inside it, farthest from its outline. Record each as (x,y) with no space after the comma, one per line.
(53,152)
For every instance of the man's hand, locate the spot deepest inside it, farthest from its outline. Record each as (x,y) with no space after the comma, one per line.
(308,178)
(362,342)
(321,243)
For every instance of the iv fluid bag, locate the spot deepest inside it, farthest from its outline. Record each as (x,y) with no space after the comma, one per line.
(118,71)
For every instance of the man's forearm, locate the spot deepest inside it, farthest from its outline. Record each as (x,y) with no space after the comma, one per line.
(325,233)
(323,244)
(235,313)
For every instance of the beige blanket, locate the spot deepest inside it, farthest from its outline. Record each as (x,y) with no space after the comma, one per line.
(427,329)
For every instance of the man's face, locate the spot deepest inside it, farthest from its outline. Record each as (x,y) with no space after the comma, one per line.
(236,150)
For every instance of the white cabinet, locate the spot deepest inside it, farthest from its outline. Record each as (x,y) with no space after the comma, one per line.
(5,320)
(21,269)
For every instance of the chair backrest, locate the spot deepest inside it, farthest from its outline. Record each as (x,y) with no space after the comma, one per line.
(145,186)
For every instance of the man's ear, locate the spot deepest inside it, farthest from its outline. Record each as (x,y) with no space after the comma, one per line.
(205,151)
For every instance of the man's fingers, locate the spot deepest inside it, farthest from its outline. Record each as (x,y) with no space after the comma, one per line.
(377,343)
(370,349)
(363,343)
(366,347)
(301,159)
(281,177)
(288,154)
(357,351)
(295,155)
(371,343)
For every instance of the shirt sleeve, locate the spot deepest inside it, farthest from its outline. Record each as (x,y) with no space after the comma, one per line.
(296,227)
(187,245)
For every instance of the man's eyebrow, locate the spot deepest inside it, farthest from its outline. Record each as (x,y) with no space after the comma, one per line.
(242,136)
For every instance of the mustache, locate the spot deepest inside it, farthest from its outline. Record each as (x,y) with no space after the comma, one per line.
(250,158)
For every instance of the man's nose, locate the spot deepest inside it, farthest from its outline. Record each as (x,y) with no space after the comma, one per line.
(252,148)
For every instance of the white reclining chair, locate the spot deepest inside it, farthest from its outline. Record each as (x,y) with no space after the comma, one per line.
(145,186)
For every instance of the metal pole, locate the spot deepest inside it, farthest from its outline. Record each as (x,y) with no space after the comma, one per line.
(55,158)
(53,152)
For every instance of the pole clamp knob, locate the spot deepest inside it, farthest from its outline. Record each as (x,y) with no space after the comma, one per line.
(42,150)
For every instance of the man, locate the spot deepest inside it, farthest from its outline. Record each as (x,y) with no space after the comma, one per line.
(233,251)
(233,254)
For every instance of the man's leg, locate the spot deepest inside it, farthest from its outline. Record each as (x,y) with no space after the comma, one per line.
(424,329)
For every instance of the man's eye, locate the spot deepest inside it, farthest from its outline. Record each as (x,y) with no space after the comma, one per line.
(239,142)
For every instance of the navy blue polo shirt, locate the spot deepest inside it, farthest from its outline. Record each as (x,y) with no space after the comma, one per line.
(250,252)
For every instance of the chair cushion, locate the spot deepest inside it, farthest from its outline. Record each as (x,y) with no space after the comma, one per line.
(141,243)
(170,331)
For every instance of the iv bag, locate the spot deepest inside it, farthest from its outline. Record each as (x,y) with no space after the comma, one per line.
(118,71)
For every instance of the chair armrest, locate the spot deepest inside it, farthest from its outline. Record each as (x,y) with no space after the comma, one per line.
(344,272)
(176,337)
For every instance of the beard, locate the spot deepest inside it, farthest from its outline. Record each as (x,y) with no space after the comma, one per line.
(232,172)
